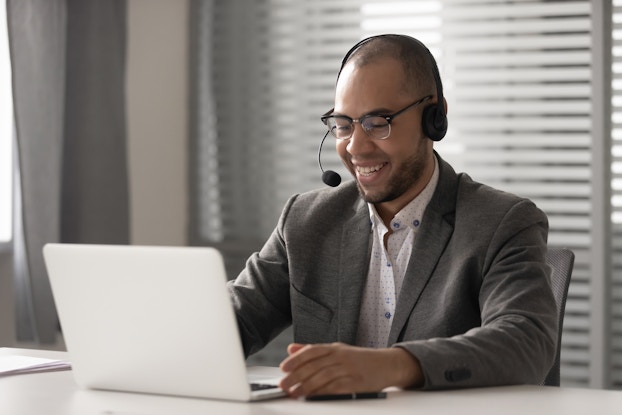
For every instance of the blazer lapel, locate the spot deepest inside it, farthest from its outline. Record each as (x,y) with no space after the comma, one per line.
(436,229)
(353,266)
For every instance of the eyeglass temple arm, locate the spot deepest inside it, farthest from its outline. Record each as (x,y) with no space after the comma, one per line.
(326,115)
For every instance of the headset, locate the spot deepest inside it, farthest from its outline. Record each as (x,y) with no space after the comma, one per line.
(434,118)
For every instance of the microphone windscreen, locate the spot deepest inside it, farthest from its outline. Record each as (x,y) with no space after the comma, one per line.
(331,178)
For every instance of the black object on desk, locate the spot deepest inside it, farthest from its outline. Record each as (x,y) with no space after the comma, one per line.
(348,396)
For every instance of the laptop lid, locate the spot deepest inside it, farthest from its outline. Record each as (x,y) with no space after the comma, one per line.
(149,319)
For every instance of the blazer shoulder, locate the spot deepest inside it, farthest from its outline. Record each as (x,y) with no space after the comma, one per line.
(469,189)
(478,203)
(331,200)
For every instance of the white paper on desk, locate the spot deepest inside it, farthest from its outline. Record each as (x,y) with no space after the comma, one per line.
(14,365)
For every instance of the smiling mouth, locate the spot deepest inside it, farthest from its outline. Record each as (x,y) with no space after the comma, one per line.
(368,171)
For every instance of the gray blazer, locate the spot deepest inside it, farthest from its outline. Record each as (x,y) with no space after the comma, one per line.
(476,307)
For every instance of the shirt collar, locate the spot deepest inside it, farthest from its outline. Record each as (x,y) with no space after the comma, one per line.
(411,214)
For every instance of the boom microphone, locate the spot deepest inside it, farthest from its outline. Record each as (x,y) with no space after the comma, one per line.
(329,177)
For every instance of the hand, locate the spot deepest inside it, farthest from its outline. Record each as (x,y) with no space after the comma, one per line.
(316,369)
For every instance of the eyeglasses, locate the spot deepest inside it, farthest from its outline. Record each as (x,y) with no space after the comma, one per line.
(376,126)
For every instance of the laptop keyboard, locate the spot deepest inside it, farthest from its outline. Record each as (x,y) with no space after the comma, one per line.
(262,386)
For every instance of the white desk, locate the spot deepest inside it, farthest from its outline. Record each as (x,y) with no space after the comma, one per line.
(56,393)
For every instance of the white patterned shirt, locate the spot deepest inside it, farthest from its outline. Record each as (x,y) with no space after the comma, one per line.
(387,266)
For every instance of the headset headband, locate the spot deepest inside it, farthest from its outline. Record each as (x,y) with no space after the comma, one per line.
(434,124)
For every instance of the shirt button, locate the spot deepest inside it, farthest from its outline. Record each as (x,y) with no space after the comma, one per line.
(387,315)
(416,222)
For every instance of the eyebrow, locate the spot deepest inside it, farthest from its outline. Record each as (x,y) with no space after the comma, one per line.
(376,111)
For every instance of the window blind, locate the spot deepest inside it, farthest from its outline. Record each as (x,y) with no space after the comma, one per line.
(616,151)
(520,106)
(519,81)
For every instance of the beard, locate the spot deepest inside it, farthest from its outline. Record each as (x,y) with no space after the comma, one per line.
(408,175)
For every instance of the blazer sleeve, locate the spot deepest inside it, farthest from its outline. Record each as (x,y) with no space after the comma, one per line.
(516,340)
(260,293)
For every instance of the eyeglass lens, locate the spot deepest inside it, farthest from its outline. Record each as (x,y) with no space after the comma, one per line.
(343,128)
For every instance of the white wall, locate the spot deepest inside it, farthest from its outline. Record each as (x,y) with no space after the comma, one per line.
(157,108)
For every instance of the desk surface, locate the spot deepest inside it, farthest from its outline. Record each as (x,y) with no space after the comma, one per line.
(55,393)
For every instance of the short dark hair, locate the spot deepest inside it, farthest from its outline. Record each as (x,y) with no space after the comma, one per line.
(416,60)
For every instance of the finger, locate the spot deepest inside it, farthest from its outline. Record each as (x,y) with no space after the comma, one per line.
(303,372)
(311,372)
(331,379)
(294,347)
(340,384)
(302,355)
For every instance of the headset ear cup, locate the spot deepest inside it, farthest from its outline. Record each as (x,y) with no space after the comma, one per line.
(434,122)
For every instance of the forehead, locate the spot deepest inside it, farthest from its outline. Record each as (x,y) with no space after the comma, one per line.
(361,88)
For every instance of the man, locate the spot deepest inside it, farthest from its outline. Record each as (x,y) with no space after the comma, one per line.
(411,275)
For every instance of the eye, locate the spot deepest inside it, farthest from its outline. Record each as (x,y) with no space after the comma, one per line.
(340,127)
(342,131)
(374,123)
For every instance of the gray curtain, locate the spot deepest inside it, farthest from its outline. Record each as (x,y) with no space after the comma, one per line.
(68,66)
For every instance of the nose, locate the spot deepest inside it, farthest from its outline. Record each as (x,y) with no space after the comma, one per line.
(360,142)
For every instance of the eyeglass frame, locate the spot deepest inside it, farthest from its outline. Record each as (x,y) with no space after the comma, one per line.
(389,118)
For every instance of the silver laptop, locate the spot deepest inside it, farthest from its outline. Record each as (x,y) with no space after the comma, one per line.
(152,320)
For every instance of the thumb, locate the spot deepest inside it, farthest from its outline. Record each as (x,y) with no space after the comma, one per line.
(294,347)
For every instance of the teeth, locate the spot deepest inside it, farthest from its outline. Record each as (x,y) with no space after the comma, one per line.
(366,171)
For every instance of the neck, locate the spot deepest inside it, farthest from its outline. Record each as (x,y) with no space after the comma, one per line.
(388,210)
